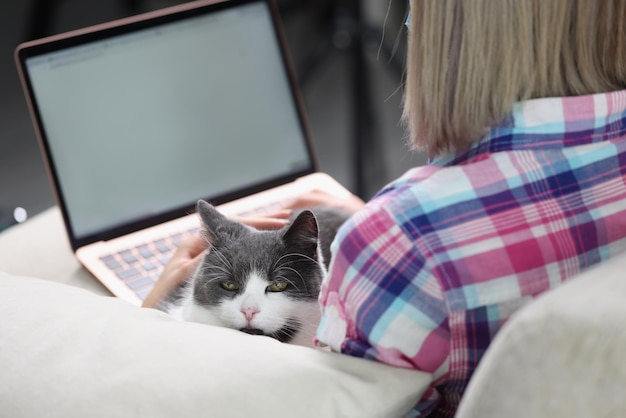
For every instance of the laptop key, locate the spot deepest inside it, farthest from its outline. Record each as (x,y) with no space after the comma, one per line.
(162,246)
(149,266)
(128,273)
(128,256)
(111,262)
(141,266)
(144,251)
(143,293)
(177,238)
(139,282)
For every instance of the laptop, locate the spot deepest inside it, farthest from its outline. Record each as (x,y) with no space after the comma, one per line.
(139,118)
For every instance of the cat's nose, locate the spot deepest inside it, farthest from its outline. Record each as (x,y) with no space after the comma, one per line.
(249,312)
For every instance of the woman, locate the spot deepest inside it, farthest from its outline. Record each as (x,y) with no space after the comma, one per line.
(522,106)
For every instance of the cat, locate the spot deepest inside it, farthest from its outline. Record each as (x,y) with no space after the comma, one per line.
(260,282)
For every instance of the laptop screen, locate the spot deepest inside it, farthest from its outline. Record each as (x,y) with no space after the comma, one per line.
(146,122)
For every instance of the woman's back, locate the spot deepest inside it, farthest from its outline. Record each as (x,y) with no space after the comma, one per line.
(475,236)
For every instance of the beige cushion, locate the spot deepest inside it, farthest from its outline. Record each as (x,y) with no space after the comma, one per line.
(40,248)
(562,356)
(65,352)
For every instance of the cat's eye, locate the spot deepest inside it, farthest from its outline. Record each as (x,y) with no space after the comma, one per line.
(277,286)
(229,285)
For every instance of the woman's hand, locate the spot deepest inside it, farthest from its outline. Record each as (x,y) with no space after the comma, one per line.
(180,267)
(189,253)
(316,197)
(274,220)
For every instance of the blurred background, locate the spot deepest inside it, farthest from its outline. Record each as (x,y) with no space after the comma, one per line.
(348,55)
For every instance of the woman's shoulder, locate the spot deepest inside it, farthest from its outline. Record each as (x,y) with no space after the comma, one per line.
(399,205)
(430,198)
(423,190)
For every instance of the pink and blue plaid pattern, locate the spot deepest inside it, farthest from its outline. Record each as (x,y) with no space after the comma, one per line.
(427,274)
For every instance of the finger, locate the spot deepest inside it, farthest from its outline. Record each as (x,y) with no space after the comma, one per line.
(180,267)
(312,198)
(191,265)
(264,223)
(279,214)
(192,246)
(321,198)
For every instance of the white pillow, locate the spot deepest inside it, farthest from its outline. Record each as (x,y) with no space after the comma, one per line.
(65,352)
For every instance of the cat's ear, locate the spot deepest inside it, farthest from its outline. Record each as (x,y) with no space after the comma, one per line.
(303,232)
(216,225)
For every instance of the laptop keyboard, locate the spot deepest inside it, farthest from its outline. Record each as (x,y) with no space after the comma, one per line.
(139,267)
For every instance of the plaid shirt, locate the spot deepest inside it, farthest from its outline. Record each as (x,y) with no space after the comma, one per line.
(429,271)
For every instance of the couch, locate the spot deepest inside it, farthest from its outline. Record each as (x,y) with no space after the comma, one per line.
(69,349)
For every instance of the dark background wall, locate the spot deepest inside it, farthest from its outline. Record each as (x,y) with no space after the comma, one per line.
(338,83)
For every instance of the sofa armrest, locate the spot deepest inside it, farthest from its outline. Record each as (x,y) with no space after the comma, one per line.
(40,248)
(561,356)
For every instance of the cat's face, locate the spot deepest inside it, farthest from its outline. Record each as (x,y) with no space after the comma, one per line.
(259,282)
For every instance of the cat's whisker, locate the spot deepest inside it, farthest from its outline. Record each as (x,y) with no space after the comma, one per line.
(206,274)
(208,279)
(214,277)
(209,272)
(205,268)
(299,255)
(284,267)
(280,274)
(303,326)
(285,278)
(234,275)
(307,330)
(222,257)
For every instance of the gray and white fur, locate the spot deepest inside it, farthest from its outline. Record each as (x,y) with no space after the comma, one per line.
(260,282)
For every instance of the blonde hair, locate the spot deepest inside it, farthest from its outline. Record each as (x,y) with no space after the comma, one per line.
(469,61)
